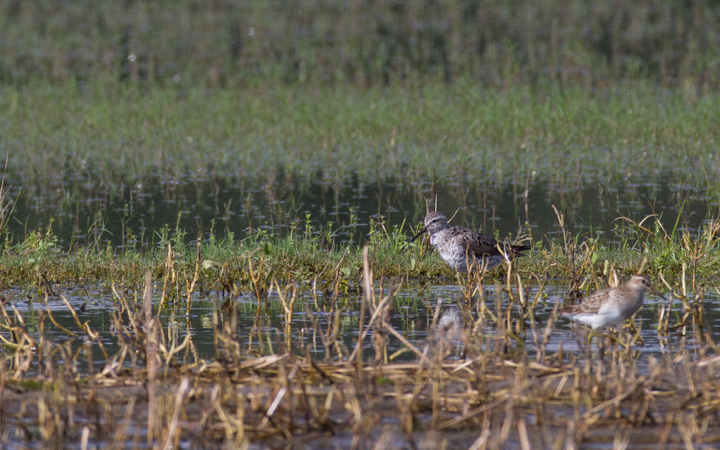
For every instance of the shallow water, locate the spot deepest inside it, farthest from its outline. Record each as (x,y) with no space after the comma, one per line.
(91,216)
(261,332)
(412,314)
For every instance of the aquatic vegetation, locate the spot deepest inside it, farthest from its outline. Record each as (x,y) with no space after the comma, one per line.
(208,174)
(155,390)
(120,142)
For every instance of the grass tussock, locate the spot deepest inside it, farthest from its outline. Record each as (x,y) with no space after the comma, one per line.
(312,255)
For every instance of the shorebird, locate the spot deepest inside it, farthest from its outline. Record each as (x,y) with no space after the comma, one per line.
(461,247)
(612,307)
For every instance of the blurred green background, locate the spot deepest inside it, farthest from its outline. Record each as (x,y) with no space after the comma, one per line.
(220,43)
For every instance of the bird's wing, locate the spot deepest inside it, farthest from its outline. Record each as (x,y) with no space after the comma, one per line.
(590,304)
(482,245)
(476,243)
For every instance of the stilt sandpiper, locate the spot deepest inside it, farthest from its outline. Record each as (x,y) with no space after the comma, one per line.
(461,247)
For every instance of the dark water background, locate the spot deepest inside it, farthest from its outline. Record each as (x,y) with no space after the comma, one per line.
(230,44)
(88,217)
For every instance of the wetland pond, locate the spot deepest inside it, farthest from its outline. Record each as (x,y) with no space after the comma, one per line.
(260,326)
(108,216)
(261,333)
(591,210)
(263,327)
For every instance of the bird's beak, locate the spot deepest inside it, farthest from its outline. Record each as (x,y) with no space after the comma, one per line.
(419,234)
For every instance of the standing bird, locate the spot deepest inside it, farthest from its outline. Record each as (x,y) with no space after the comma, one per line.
(612,307)
(463,249)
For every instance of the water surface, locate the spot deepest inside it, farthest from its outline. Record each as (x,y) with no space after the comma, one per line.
(261,326)
(134,215)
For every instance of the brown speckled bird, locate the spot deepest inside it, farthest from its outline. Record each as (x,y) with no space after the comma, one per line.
(460,246)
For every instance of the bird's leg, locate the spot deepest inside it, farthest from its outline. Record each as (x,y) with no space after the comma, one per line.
(478,273)
(621,338)
(474,277)
(589,338)
(583,342)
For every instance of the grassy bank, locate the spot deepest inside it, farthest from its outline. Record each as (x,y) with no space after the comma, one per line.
(311,256)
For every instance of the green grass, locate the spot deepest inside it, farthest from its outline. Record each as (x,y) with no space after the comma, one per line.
(70,144)
(81,140)
(311,256)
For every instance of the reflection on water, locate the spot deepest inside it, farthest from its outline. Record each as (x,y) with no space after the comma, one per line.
(262,328)
(135,214)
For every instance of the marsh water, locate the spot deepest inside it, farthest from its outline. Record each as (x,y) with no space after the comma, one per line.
(592,209)
(260,325)
(138,212)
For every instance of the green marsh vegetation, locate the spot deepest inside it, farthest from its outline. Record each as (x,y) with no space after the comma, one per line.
(282,141)
(290,138)
(461,133)
(112,109)
(424,91)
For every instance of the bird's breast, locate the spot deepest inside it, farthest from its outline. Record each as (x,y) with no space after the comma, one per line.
(438,238)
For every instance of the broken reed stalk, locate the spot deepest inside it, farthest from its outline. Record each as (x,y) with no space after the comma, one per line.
(363,301)
(381,326)
(94,336)
(368,294)
(52,319)
(256,276)
(150,357)
(287,301)
(216,328)
(168,273)
(196,274)
(173,437)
